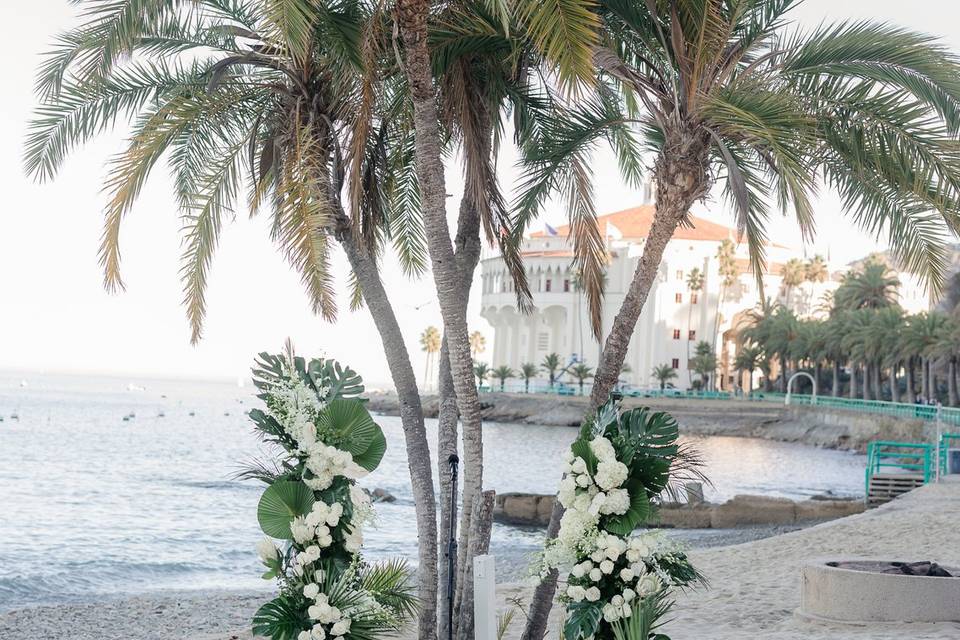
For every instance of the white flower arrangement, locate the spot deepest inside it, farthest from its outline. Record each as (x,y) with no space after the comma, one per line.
(327,591)
(612,472)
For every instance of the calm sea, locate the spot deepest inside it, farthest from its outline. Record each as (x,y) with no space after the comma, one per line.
(92,505)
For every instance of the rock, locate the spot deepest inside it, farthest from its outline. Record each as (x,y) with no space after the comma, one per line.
(382,495)
(525,509)
(749,510)
(827,509)
(683,516)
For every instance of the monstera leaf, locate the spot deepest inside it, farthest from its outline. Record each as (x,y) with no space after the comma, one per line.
(280,504)
(583,619)
(650,433)
(326,378)
(637,514)
(280,619)
(350,421)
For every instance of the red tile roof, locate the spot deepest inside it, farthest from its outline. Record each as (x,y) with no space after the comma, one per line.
(636,222)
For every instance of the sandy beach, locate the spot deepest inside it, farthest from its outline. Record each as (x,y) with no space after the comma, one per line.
(753,593)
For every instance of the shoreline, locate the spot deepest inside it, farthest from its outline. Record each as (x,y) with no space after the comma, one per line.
(754,587)
(814,426)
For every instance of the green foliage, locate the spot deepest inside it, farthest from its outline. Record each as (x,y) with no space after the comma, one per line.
(583,619)
(348,424)
(327,378)
(646,615)
(282,618)
(664,373)
(280,504)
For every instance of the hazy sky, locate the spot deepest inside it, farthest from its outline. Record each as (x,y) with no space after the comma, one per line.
(57,317)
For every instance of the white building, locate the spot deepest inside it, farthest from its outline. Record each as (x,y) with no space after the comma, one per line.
(673,319)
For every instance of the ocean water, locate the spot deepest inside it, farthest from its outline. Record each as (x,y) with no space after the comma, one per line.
(92,505)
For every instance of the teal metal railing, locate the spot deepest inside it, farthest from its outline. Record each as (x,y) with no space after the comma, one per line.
(923,412)
(947,441)
(908,457)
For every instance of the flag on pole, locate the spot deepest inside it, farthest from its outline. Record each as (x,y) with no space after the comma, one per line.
(613,232)
(550,231)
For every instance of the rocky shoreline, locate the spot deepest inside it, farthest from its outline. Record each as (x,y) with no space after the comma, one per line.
(829,428)
(533,510)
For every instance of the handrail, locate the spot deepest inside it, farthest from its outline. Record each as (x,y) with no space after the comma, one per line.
(905,456)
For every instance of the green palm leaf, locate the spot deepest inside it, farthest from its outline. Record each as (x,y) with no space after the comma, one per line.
(280,504)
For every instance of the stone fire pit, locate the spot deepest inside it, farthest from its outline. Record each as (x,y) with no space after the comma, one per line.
(860,590)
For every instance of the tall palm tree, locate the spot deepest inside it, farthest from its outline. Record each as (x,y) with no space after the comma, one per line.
(528,370)
(664,373)
(728,90)
(947,348)
(695,280)
(794,273)
(920,338)
(478,343)
(729,272)
(881,338)
(747,360)
(502,373)
(873,286)
(430,341)
(815,269)
(259,98)
(581,372)
(834,349)
(704,363)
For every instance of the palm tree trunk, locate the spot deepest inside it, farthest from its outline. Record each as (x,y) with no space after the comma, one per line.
(749,382)
(911,394)
(865,389)
(952,393)
(681,179)
(877,394)
(411,419)
(925,378)
(817,371)
(835,388)
(412,19)
(783,374)
(894,383)
(853,381)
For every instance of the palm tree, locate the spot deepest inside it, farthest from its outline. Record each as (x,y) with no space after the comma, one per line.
(834,349)
(815,270)
(729,272)
(245,98)
(748,359)
(663,374)
(728,89)
(552,365)
(882,339)
(430,341)
(501,373)
(695,281)
(704,362)
(874,286)
(794,273)
(481,371)
(528,370)
(478,343)
(581,372)
(947,347)
(920,337)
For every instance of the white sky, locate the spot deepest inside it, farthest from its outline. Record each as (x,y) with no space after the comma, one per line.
(56,317)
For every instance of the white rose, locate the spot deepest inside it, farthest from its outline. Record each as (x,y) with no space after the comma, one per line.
(576,593)
(613,552)
(592,594)
(316,610)
(304,635)
(596,575)
(341,627)
(626,574)
(311,591)
(629,594)
(577,571)
(318,632)
(617,600)
(633,555)
(598,555)
(606,566)
(596,504)
(626,611)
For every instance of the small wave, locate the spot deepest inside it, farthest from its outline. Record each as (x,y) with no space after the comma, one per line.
(229,485)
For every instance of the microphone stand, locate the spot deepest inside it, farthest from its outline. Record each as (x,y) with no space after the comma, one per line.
(453,461)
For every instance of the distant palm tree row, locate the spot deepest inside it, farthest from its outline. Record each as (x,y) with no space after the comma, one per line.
(552,365)
(872,348)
